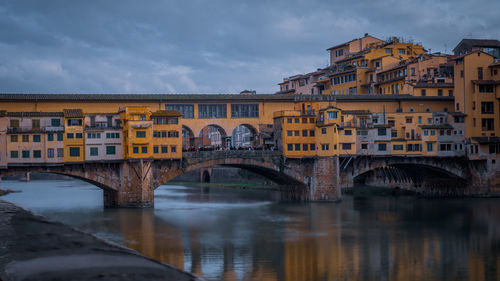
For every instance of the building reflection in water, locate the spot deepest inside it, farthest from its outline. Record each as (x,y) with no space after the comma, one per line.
(359,239)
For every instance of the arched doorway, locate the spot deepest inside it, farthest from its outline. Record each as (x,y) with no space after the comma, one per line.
(244,136)
(212,137)
(188,138)
(206,176)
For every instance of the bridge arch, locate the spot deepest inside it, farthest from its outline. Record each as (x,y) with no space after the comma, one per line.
(244,135)
(423,175)
(212,135)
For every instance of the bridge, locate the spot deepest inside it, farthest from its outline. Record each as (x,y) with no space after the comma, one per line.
(131,183)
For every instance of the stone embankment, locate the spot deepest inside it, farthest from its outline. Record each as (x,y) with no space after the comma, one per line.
(34,248)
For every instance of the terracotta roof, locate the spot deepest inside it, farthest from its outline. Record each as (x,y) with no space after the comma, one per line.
(433,85)
(166,113)
(486,139)
(35,114)
(441,126)
(144,97)
(73,113)
(479,43)
(486,82)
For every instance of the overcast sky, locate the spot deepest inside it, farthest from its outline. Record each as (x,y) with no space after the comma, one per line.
(207,46)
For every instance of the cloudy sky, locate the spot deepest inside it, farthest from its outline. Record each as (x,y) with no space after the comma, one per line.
(207,46)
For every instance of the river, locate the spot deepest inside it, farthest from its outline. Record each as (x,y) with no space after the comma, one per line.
(235,234)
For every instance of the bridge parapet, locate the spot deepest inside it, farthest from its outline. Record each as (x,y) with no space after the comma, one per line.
(224,154)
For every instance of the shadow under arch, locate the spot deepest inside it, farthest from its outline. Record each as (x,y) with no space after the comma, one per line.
(414,175)
(266,170)
(92,182)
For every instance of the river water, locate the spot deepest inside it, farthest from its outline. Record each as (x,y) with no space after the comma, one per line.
(234,234)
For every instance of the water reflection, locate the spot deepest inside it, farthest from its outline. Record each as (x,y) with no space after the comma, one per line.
(245,235)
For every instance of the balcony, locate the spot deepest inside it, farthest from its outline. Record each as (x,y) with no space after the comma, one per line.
(308,112)
(48,129)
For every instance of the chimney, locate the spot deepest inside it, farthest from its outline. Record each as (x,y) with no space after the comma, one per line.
(366,34)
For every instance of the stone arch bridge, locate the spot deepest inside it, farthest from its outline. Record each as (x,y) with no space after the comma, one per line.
(131,183)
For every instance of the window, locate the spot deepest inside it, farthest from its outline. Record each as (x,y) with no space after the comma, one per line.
(35,123)
(14,123)
(450,93)
(164,149)
(142,117)
(173,149)
(325,146)
(311,133)
(156,149)
(79,135)
(173,134)
(426,132)
(26,138)
(487,124)
(94,151)
(212,111)
(382,131)
(304,120)
(26,154)
(50,137)
(289,120)
(93,135)
(36,138)
(305,147)
(479,73)
(37,154)
(394,134)
(364,146)
(401,51)
(347,132)
(486,88)
(323,131)
(55,122)
(487,107)
(70,136)
(289,133)
(13,138)
(332,114)
(429,147)
(135,149)
(397,147)
(140,134)
(440,92)
(412,109)
(74,122)
(290,147)
(346,146)
(304,133)
(297,120)
(312,146)
(110,150)
(433,132)
(244,111)
(297,147)
(382,147)
(422,92)
(144,149)
(419,119)
(409,120)
(445,147)
(60,152)
(296,133)
(74,151)
(187,110)
(60,136)
(14,154)
(388,51)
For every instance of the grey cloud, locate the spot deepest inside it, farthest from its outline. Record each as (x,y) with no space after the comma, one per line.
(206,46)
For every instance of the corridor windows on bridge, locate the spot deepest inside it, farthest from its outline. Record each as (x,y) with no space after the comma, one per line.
(244,111)
(187,110)
(212,111)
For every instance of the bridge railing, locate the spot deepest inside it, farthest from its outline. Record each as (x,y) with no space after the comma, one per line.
(218,154)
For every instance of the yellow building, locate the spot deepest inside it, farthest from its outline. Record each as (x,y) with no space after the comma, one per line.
(74,142)
(167,134)
(137,132)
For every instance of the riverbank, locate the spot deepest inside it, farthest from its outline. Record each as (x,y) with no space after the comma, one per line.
(34,247)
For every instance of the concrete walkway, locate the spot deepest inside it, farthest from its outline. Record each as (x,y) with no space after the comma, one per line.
(35,248)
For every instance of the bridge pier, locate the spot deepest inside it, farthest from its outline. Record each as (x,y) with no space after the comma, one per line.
(136,186)
(324,183)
